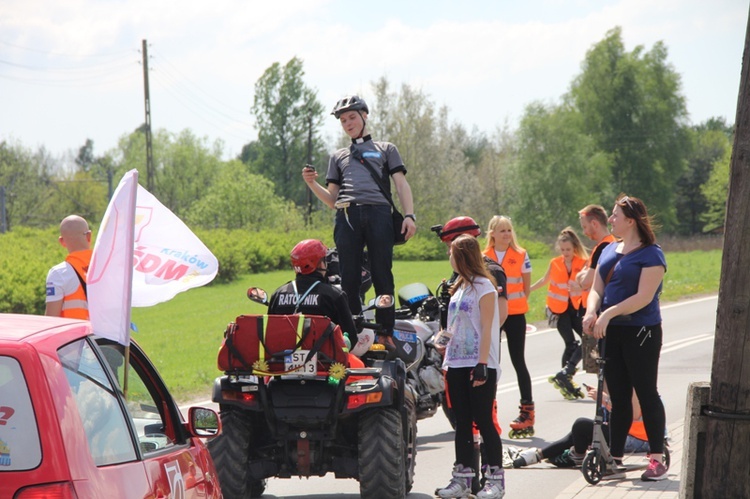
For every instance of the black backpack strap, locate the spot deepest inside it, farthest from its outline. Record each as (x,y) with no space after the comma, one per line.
(82,281)
(356,154)
(319,343)
(229,342)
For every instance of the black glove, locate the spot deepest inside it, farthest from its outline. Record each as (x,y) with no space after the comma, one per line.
(479,373)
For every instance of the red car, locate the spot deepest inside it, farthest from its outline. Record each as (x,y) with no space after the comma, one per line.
(72,425)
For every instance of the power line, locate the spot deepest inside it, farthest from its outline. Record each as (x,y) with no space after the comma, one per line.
(183,78)
(62,54)
(174,86)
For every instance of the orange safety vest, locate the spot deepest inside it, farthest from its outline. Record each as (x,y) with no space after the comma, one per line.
(559,280)
(638,430)
(75,305)
(607,239)
(512,264)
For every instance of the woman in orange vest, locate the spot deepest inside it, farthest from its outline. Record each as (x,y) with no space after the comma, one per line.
(564,304)
(502,247)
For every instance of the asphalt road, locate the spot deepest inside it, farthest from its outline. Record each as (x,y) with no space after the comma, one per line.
(686,357)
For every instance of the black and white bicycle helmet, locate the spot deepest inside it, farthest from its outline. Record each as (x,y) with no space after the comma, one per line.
(349,103)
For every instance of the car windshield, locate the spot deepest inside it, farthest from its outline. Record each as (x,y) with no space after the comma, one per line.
(20,448)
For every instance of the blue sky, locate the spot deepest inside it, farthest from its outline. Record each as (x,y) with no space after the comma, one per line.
(70,70)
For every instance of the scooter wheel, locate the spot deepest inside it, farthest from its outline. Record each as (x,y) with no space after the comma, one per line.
(592,467)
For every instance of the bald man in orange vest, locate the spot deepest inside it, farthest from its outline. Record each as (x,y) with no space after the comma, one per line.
(66,281)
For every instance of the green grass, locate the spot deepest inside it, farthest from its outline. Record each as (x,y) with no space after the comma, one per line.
(182,336)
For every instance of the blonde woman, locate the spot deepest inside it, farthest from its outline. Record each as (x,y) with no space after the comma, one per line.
(502,247)
(564,306)
(472,364)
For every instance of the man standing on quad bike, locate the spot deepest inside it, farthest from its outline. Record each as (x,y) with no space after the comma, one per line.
(363,210)
(447,233)
(309,293)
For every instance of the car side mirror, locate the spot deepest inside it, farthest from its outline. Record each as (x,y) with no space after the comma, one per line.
(203,422)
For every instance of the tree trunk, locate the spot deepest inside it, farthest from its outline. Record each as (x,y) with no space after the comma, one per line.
(727,450)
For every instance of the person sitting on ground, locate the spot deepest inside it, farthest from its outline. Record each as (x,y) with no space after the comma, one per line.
(569,451)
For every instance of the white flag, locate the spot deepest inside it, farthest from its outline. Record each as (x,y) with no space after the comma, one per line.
(110,274)
(168,257)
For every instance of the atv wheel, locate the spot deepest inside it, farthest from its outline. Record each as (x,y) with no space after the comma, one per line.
(382,471)
(230,451)
(410,456)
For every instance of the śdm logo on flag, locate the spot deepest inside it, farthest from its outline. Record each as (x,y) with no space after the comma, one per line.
(144,255)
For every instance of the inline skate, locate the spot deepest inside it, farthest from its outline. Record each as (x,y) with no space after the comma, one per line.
(564,383)
(523,425)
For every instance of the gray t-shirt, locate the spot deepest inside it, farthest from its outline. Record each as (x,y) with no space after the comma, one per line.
(355,182)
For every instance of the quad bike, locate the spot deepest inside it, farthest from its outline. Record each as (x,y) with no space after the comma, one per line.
(299,413)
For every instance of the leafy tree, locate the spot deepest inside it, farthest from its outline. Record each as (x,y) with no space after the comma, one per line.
(558,170)
(632,107)
(241,200)
(708,144)
(185,165)
(75,193)
(99,167)
(288,117)
(27,178)
(716,192)
(86,159)
(432,149)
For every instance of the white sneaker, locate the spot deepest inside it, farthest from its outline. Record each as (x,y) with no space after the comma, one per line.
(526,458)
(494,487)
(460,484)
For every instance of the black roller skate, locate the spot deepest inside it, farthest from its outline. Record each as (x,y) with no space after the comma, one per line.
(523,425)
(564,383)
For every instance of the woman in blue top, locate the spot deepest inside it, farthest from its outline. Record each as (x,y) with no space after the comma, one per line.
(624,307)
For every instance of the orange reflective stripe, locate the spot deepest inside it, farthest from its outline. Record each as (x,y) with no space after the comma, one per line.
(557,291)
(513,266)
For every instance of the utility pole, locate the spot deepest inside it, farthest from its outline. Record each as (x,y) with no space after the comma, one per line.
(726,452)
(149,154)
(309,162)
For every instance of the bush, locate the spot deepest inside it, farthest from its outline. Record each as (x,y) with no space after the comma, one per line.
(26,255)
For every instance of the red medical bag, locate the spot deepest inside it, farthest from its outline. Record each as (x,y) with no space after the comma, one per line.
(253,341)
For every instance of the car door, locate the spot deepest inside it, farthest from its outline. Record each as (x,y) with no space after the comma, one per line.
(102,452)
(177,465)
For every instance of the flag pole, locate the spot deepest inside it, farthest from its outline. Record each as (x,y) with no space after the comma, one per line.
(129,284)
(126,371)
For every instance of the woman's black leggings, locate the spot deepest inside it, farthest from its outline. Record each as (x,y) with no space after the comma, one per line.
(473,404)
(579,438)
(567,323)
(515,332)
(632,355)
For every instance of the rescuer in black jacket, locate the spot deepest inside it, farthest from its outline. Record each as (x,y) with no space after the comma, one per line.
(310,293)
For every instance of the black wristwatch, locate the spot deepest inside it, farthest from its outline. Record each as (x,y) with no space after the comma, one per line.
(412,216)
